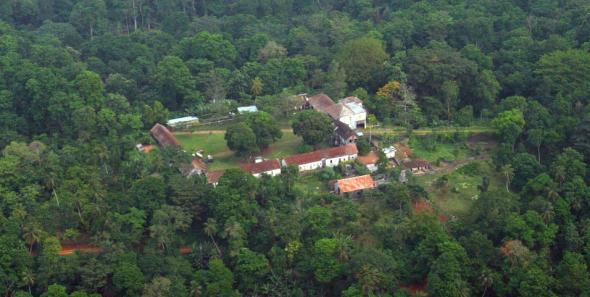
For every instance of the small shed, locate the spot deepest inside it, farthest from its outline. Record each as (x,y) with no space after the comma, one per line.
(370,161)
(164,137)
(354,185)
(183,122)
(247,109)
(389,152)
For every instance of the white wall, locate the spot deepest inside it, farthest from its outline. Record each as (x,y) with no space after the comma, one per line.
(310,166)
(273,172)
(353,119)
(325,163)
(335,161)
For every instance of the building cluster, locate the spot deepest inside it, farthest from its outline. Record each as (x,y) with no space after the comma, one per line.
(349,110)
(348,115)
(329,157)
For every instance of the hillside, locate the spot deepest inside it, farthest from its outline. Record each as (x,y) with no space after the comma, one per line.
(316,148)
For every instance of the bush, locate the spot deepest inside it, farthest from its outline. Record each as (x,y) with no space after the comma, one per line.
(471,169)
(306,148)
(327,174)
(363,146)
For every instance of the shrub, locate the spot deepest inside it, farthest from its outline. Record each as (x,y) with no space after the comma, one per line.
(471,169)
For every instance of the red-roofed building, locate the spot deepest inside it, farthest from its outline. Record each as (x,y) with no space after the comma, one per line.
(349,110)
(269,167)
(197,166)
(329,157)
(163,136)
(354,185)
(343,134)
(214,176)
(370,160)
(321,102)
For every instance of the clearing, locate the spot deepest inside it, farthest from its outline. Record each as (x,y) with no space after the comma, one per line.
(214,144)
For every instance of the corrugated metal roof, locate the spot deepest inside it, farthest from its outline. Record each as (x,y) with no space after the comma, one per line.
(356,183)
(163,136)
(182,120)
(247,109)
(263,166)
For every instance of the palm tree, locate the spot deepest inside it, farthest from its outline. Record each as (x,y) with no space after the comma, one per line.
(343,247)
(28,278)
(370,279)
(548,215)
(560,174)
(32,235)
(211,229)
(257,87)
(508,172)
(235,235)
(487,280)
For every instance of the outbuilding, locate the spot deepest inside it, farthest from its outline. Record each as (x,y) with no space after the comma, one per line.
(354,185)
(183,122)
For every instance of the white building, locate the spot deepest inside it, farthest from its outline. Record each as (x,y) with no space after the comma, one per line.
(389,152)
(183,122)
(329,157)
(247,109)
(349,110)
(269,167)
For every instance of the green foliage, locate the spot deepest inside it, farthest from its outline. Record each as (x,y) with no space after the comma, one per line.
(217,280)
(362,60)
(128,279)
(363,146)
(81,82)
(241,138)
(510,125)
(326,261)
(55,290)
(210,46)
(174,81)
(314,127)
(265,128)
(251,268)
(566,73)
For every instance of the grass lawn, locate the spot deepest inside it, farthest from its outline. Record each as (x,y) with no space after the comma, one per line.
(310,183)
(214,145)
(462,190)
(438,150)
(283,122)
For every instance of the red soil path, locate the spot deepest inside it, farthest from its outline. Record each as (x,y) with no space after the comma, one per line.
(421,206)
(413,289)
(70,249)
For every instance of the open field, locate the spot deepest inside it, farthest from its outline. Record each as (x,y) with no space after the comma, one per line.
(461,190)
(214,145)
(443,151)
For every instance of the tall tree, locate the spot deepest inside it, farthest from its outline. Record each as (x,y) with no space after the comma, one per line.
(89,16)
(265,128)
(510,125)
(240,138)
(363,61)
(314,127)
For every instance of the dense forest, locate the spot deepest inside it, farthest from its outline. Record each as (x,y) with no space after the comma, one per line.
(83,81)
